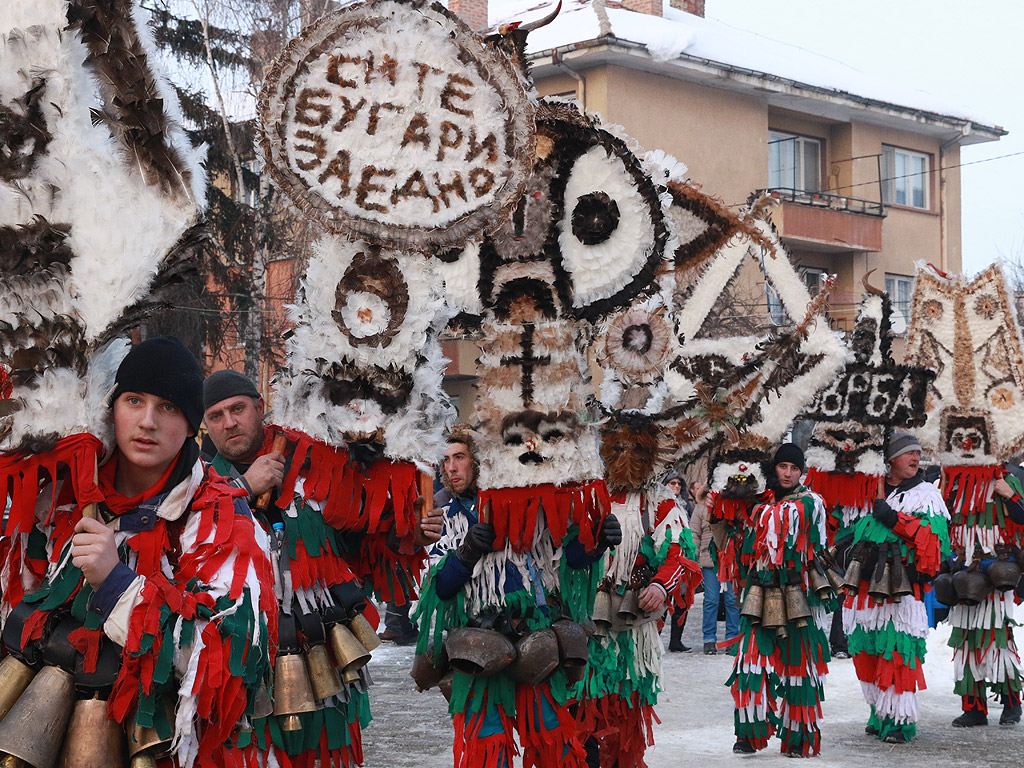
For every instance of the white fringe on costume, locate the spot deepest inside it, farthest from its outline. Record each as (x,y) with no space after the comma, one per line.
(991,664)
(898,707)
(908,616)
(487,587)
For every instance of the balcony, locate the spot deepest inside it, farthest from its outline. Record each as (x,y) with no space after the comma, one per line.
(828,223)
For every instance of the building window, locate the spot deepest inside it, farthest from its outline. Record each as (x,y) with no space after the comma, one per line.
(813,278)
(794,162)
(251,170)
(905,177)
(901,292)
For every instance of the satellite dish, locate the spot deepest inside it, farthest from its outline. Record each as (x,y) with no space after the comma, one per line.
(899,322)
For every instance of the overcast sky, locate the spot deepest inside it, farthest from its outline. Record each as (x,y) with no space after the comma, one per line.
(967,53)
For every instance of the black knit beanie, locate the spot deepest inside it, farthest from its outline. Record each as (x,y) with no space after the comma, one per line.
(220,385)
(789,452)
(164,367)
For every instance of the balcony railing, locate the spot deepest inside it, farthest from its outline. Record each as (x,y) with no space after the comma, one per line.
(827,200)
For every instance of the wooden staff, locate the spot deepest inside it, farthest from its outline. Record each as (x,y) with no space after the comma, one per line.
(91,511)
(485,512)
(280,443)
(426,489)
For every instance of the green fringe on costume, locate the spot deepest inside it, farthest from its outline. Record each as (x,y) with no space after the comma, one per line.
(333,720)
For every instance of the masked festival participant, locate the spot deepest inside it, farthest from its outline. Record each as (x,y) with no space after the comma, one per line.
(651,570)
(985,541)
(907,530)
(163,599)
(783,650)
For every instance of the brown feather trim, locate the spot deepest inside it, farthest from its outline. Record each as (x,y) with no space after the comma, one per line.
(134,108)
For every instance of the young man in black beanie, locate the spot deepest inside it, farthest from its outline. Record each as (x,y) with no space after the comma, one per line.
(778,679)
(172,574)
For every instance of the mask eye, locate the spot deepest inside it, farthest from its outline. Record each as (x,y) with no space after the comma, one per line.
(612,233)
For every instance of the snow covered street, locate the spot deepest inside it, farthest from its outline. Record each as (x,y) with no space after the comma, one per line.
(413,729)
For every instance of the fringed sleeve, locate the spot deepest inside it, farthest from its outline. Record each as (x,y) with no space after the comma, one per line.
(204,637)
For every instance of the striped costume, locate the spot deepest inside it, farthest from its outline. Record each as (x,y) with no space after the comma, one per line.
(775,548)
(985,657)
(887,639)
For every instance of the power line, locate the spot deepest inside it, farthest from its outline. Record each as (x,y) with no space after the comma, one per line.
(929,171)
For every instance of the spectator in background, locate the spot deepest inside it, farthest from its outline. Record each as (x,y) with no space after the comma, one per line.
(713,591)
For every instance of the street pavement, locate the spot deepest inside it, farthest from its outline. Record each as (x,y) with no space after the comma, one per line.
(412,729)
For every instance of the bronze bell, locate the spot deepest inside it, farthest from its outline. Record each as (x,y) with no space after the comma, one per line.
(262,704)
(971,586)
(899,581)
(144,760)
(573,650)
(350,676)
(1004,574)
(15,676)
(33,730)
(629,609)
(93,738)
(428,668)
(446,685)
(773,616)
(350,653)
(818,581)
(536,657)
(323,675)
(851,579)
(602,613)
(293,692)
(835,578)
(797,609)
(753,603)
(878,587)
(364,633)
(944,590)
(145,744)
(479,652)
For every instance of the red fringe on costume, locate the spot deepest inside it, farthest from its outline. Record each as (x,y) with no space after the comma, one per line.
(730,510)
(973,487)
(545,749)
(21,477)
(352,499)
(922,540)
(623,729)
(514,511)
(841,490)
(394,575)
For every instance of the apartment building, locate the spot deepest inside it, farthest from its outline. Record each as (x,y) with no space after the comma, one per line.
(866,171)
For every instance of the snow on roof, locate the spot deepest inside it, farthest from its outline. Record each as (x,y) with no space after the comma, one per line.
(682,34)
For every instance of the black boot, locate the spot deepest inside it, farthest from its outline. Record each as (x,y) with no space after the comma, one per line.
(972,718)
(675,637)
(1011,711)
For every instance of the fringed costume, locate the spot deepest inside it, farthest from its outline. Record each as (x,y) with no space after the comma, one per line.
(186,610)
(325,547)
(984,529)
(617,697)
(776,548)
(887,634)
(521,591)
(968,332)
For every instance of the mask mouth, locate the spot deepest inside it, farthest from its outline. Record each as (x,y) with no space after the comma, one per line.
(531,457)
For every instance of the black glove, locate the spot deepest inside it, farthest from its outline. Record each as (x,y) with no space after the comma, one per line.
(885,514)
(611,532)
(478,543)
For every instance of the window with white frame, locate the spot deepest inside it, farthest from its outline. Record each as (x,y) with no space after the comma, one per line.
(794,162)
(905,177)
(901,292)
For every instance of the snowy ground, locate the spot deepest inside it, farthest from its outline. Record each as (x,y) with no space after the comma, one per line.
(413,729)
